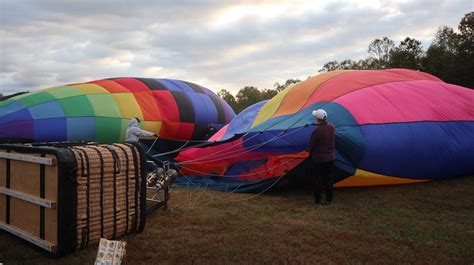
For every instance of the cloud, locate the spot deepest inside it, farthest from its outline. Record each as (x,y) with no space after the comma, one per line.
(214,43)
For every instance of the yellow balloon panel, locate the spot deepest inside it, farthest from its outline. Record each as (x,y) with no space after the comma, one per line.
(366,178)
(128,106)
(301,92)
(270,107)
(152,126)
(92,89)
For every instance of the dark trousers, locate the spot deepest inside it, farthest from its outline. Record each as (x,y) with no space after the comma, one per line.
(322,178)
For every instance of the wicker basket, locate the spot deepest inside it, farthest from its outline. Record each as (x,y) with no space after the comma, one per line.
(61,197)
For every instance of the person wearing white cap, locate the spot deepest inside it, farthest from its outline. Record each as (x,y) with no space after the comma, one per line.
(134,132)
(322,149)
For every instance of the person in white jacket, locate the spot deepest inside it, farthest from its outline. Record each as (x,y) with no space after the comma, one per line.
(134,132)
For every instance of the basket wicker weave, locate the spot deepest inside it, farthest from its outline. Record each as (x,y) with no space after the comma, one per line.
(66,196)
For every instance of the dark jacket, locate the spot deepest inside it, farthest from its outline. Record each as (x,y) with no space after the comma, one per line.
(323,143)
(211,130)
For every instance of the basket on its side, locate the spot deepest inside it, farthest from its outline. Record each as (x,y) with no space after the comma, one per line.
(66,196)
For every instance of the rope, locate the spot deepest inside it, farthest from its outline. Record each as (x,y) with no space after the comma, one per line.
(182,149)
(170,152)
(240,175)
(247,149)
(153,144)
(220,151)
(244,199)
(213,197)
(223,156)
(200,158)
(269,187)
(261,192)
(192,141)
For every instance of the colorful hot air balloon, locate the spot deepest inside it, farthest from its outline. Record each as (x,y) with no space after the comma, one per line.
(100,111)
(392,126)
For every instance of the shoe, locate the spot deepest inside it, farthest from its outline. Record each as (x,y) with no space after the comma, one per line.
(326,203)
(317,200)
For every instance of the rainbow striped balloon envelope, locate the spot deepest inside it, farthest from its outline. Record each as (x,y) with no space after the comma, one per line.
(392,127)
(100,111)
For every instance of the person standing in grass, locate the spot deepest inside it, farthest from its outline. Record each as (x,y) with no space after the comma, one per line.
(323,154)
(134,132)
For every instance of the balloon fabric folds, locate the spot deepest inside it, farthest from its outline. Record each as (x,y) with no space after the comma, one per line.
(100,111)
(392,126)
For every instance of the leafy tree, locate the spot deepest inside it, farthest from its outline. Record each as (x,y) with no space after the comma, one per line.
(407,54)
(367,64)
(267,94)
(379,57)
(446,38)
(330,66)
(379,53)
(440,58)
(247,96)
(466,29)
(348,64)
(288,82)
(465,51)
(450,55)
(228,97)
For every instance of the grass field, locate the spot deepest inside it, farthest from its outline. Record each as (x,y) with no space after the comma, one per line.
(427,223)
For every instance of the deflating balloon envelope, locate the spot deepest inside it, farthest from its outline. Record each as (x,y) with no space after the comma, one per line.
(392,127)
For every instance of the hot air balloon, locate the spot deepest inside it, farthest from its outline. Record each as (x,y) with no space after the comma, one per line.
(100,111)
(392,126)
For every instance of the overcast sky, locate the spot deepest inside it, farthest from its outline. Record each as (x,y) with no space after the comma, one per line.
(217,44)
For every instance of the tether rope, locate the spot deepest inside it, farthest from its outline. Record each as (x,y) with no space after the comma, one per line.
(223,150)
(238,200)
(238,151)
(240,175)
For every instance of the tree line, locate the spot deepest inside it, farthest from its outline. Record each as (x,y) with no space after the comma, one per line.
(450,57)
(250,95)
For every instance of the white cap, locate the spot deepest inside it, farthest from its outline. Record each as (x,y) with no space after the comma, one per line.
(320,114)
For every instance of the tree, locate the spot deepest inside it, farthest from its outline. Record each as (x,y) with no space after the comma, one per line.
(228,97)
(440,58)
(288,82)
(465,51)
(407,54)
(446,38)
(450,55)
(329,66)
(367,64)
(267,94)
(379,53)
(348,64)
(247,96)
(466,29)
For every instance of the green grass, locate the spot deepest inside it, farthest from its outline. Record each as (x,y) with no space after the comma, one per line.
(428,223)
